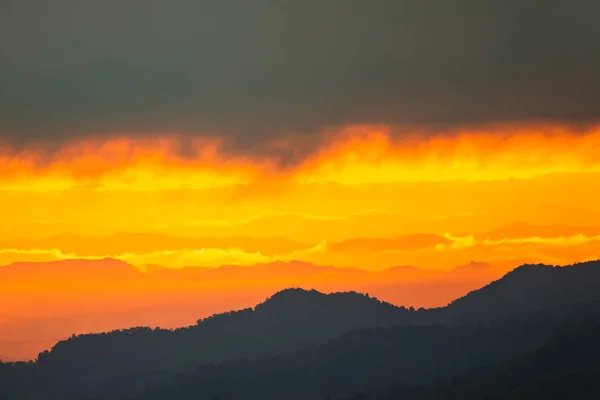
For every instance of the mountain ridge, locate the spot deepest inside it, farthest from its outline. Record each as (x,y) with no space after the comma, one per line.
(293,294)
(319,328)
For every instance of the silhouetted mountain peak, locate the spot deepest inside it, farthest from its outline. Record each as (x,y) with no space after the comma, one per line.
(539,269)
(299,335)
(530,288)
(309,309)
(522,273)
(292,297)
(292,294)
(525,268)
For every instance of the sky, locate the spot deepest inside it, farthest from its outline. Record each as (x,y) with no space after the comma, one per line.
(162,161)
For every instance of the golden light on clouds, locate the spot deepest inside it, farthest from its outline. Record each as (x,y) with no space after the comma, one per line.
(374,156)
(364,202)
(354,155)
(368,185)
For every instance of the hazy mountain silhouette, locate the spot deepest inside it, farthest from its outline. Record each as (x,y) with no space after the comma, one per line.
(299,343)
(99,270)
(50,299)
(527,289)
(290,320)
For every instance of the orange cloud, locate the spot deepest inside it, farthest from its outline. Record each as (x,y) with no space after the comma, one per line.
(141,243)
(406,242)
(376,155)
(426,250)
(368,154)
(524,230)
(131,164)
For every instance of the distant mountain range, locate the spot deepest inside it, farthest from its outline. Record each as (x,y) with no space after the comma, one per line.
(243,248)
(303,344)
(52,300)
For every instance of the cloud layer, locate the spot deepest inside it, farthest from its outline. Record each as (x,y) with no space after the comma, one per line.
(254,72)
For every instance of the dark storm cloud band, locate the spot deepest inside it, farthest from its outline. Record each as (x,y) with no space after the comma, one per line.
(254,72)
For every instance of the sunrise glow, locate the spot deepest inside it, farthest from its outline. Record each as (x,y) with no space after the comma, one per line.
(460,208)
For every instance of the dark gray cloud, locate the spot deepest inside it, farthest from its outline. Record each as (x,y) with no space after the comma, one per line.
(253,70)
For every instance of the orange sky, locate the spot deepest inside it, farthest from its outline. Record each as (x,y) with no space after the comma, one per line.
(368,198)
(364,186)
